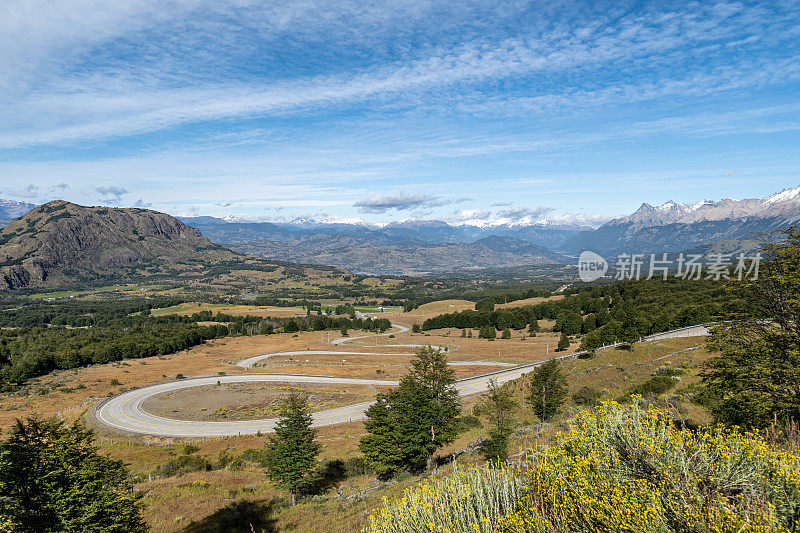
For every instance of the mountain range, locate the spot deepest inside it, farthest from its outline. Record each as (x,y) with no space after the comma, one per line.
(413,247)
(675,227)
(61,244)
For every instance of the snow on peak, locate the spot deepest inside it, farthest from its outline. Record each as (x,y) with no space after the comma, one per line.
(698,205)
(784,195)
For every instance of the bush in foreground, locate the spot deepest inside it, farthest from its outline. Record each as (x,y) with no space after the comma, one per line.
(626,469)
(620,469)
(465,501)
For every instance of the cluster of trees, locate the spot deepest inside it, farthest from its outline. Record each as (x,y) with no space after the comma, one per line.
(21,314)
(41,339)
(605,314)
(27,353)
(406,425)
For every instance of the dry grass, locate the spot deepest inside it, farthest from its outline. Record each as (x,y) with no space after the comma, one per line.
(528,301)
(193,307)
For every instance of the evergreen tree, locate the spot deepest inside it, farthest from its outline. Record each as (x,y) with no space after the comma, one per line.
(487,332)
(563,342)
(548,390)
(755,378)
(52,479)
(506,334)
(499,405)
(406,425)
(292,452)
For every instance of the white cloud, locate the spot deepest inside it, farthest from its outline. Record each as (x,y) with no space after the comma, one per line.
(112,193)
(29,191)
(132,98)
(401,201)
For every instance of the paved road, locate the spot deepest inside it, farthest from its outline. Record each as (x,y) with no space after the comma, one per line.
(124,411)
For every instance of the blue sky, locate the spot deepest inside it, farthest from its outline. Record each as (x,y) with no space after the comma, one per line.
(463,111)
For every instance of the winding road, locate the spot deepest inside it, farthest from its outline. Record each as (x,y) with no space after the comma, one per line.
(124,411)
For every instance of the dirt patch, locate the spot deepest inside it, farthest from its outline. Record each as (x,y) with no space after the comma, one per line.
(250,401)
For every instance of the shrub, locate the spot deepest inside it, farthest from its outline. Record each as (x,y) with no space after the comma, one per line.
(182,465)
(626,469)
(469,422)
(464,501)
(587,396)
(657,384)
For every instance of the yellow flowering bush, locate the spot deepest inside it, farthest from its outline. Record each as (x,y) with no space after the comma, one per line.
(625,469)
(465,501)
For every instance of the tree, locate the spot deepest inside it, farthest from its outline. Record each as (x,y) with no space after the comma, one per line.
(343,331)
(499,405)
(756,377)
(563,342)
(52,479)
(548,390)
(292,452)
(416,328)
(533,327)
(408,424)
(506,334)
(487,332)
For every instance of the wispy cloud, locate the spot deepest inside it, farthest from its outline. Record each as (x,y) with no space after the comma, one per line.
(29,191)
(401,201)
(120,102)
(112,193)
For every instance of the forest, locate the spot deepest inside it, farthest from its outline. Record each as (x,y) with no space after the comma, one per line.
(605,314)
(40,338)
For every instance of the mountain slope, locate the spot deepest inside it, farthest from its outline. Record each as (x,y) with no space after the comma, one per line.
(411,247)
(365,255)
(674,227)
(60,242)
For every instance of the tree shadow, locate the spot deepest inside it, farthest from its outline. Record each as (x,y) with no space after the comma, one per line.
(329,475)
(243,516)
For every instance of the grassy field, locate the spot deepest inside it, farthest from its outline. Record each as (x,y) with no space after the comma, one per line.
(128,289)
(528,301)
(190,308)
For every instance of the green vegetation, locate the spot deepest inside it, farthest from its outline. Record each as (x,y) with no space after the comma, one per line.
(605,314)
(755,378)
(548,390)
(47,337)
(52,480)
(625,469)
(498,404)
(406,425)
(291,453)
(465,501)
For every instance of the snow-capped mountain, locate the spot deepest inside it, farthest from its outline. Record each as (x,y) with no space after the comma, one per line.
(784,203)
(674,226)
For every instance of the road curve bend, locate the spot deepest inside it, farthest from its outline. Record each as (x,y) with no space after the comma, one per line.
(124,411)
